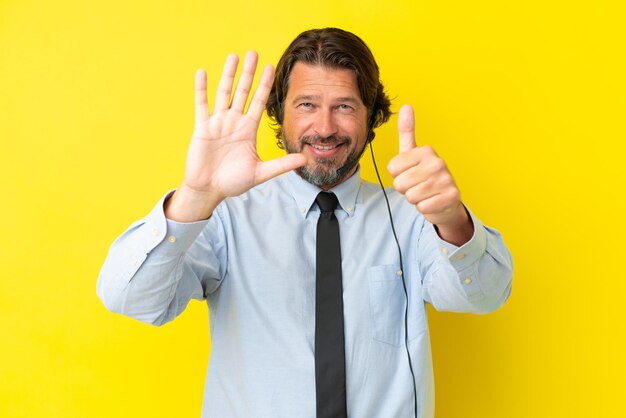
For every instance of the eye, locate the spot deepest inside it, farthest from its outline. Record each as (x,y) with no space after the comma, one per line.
(305,105)
(345,107)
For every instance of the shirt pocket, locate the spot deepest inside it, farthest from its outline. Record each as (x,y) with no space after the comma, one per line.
(387,306)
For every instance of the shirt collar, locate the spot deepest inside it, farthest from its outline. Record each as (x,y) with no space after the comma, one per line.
(305,193)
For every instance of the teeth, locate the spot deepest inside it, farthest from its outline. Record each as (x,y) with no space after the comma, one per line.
(323,147)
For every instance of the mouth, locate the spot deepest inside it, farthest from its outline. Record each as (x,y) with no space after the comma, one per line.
(324,150)
(324,147)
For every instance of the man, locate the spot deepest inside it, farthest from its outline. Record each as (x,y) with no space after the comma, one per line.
(247,239)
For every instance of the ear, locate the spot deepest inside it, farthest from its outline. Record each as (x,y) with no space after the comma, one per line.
(371,121)
(370,127)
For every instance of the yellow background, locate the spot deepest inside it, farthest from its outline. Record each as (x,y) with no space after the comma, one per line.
(523,99)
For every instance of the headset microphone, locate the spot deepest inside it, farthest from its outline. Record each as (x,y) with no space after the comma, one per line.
(349,165)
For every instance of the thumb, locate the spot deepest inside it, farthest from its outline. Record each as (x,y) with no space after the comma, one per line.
(406,128)
(272,168)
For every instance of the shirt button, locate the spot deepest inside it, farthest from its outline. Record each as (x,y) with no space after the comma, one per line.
(171,239)
(444,250)
(350,209)
(134,262)
(468,280)
(155,231)
(460,256)
(302,210)
(399,273)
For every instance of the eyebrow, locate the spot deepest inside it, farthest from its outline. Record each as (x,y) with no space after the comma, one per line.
(349,99)
(305,97)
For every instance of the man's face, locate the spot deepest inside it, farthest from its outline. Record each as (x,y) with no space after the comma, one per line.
(324,119)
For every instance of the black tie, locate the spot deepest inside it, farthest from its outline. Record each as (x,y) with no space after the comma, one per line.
(330,364)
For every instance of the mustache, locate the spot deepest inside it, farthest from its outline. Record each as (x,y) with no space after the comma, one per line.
(318,139)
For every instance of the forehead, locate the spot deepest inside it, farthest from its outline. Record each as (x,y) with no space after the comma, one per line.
(319,80)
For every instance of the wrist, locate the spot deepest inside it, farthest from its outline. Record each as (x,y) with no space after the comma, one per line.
(189,205)
(458,229)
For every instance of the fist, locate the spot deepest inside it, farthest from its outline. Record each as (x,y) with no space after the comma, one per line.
(423,177)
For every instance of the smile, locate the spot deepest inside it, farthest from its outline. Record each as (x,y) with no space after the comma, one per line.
(321,150)
(324,147)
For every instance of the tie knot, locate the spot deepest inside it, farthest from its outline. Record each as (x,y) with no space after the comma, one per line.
(326,201)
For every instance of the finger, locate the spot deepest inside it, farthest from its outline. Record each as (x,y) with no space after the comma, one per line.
(225,87)
(272,168)
(202,107)
(257,105)
(406,128)
(420,192)
(416,157)
(408,178)
(440,204)
(405,161)
(245,81)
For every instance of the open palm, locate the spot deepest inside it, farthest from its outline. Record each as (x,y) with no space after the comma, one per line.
(222,159)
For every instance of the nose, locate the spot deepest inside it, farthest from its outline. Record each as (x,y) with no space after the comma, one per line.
(324,124)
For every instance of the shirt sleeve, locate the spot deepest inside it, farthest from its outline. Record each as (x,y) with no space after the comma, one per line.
(157,266)
(475,277)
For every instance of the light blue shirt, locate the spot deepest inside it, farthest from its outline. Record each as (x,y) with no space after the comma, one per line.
(254,262)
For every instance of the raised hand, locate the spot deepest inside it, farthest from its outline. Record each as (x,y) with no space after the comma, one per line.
(222,159)
(424,179)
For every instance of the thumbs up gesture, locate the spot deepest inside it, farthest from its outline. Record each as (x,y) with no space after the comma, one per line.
(424,179)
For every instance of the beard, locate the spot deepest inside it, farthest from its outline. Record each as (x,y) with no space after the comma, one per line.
(327,171)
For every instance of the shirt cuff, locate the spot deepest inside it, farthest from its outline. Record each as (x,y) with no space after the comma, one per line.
(171,237)
(469,253)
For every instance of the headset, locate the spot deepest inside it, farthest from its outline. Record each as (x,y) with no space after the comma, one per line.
(406,294)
